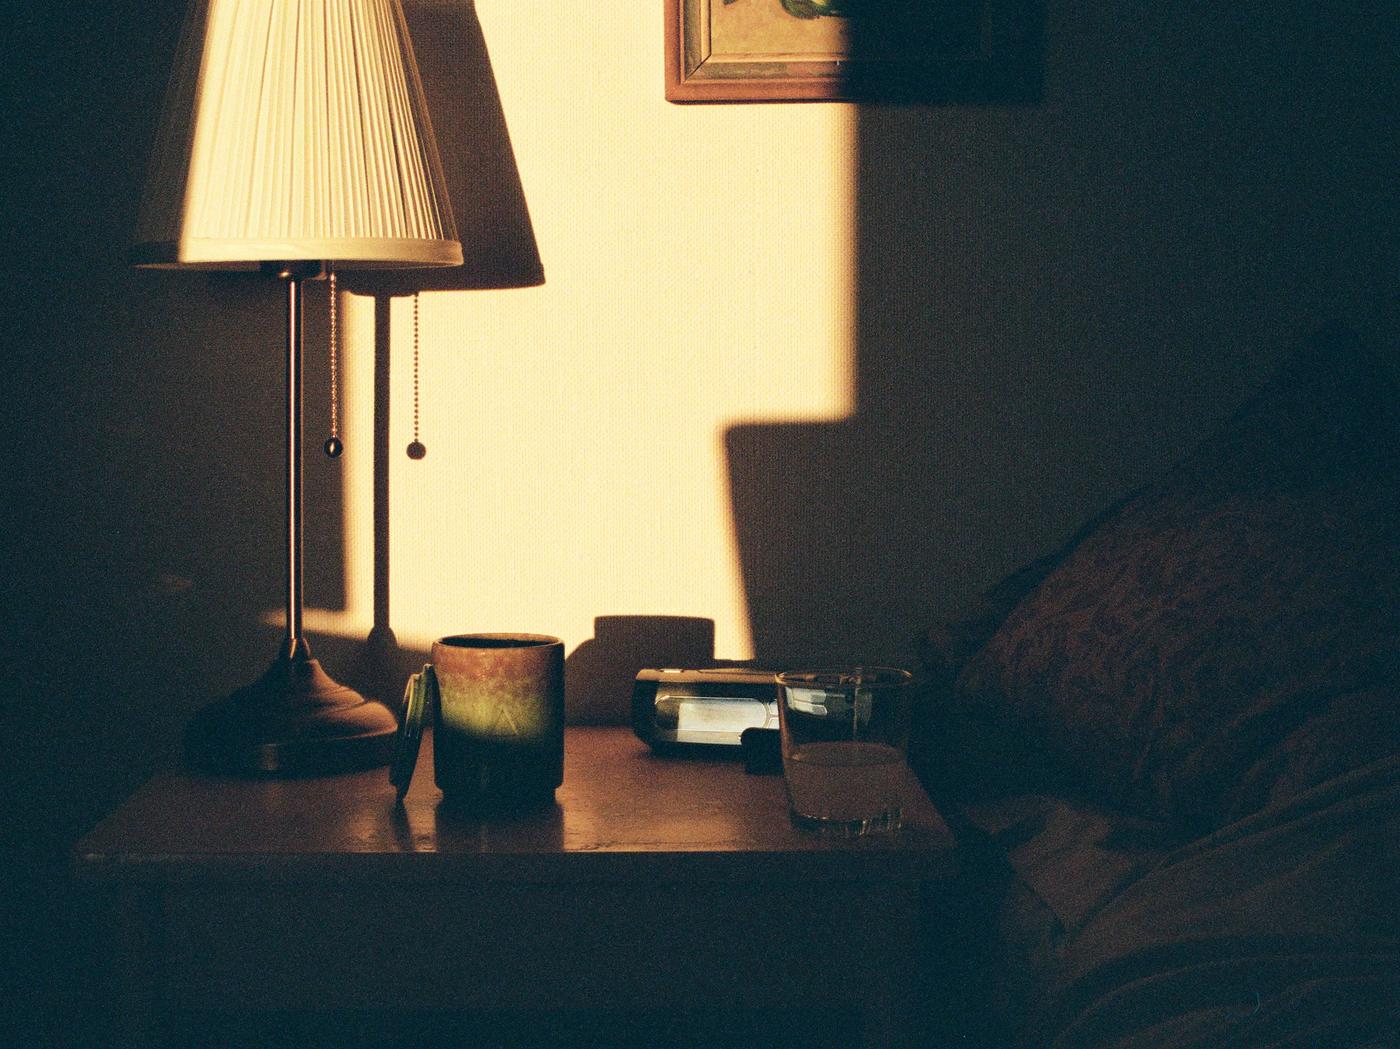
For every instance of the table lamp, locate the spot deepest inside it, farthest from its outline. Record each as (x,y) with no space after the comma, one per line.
(294,140)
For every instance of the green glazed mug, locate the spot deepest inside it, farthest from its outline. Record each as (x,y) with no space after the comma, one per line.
(498,719)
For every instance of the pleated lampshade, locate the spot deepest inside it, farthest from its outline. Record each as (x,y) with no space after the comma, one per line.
(295,130)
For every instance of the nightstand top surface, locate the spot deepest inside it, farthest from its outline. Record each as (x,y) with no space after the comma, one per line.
(622,814)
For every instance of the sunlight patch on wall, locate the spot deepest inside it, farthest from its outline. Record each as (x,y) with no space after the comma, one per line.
(698,267)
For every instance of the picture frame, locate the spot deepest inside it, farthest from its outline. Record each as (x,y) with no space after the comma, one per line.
(881,51)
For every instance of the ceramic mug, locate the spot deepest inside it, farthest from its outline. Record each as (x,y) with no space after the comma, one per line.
(498,719)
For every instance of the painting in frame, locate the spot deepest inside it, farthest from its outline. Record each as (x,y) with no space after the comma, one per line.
(852,50)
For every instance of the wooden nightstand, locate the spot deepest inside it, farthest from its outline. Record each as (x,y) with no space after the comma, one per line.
(653,881)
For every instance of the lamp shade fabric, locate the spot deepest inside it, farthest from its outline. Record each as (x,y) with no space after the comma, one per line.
(295,130)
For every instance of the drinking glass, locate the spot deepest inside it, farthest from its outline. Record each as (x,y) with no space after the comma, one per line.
(845,733)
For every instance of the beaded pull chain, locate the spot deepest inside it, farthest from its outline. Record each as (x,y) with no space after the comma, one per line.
(333,445)
(415,447)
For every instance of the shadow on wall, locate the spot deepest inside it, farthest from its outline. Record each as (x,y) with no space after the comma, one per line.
(599,673)
(1054,300)
(838,524)
(499,251)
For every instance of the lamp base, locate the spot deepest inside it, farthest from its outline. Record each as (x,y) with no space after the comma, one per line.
(294,720)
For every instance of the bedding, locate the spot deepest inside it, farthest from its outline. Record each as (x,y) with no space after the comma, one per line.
(1173,657)
(1279,930)
(1180,735)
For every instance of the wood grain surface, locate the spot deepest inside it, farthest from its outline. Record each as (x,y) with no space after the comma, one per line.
(622,814)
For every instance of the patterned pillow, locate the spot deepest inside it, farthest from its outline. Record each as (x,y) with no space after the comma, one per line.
(1191,656)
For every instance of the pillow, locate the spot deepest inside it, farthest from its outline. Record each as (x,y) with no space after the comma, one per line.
(959,758)
(1200,639)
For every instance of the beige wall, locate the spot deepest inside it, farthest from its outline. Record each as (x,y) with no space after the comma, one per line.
(698,273)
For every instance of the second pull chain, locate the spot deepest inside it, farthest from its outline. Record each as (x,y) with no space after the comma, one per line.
(415,447)
(333,445)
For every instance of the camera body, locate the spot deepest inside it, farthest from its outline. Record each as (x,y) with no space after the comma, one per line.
(696,710)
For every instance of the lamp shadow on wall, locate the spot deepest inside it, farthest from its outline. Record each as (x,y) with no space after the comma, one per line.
(840,524)
(499,251)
